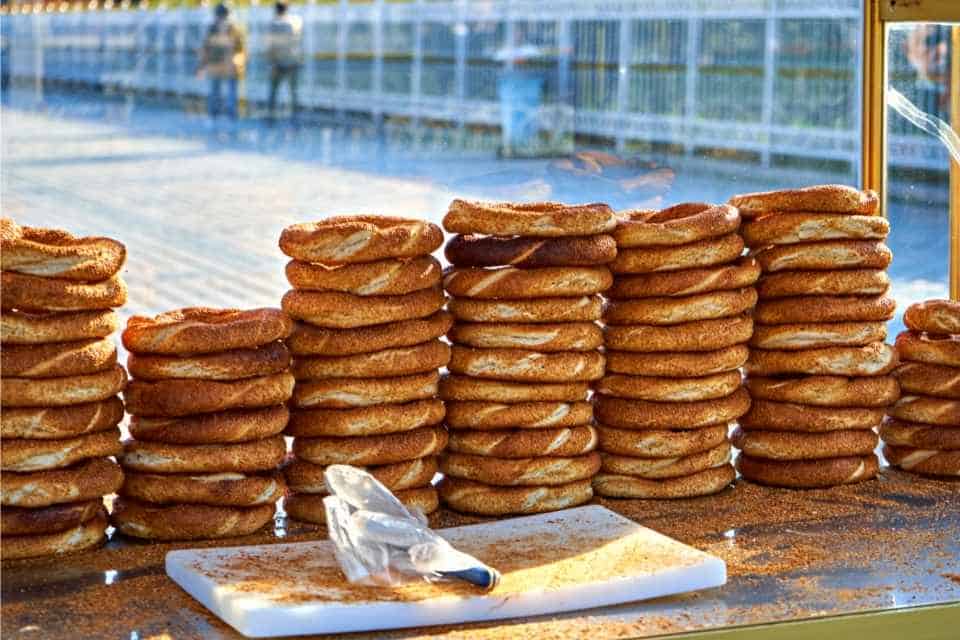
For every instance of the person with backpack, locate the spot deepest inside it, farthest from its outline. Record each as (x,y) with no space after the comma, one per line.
(223,59)
(285,55)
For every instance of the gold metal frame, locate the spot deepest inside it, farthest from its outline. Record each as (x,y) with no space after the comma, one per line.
(877,16)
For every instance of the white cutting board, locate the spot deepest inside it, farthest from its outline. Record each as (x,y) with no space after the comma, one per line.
(574,559)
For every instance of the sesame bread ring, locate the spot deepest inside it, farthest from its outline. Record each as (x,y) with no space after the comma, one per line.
(34,293)
(87,480)
(787,416)
(718,385)
(672,364)
(512,472)
(453,387)
(348,393)
(929,380)
(702,483)
(538,219)
(834,198)
(307,340)
(849,282)
(382,278)
(738,275)
(875,359)
(400,361)
(54,253)
(306,477)
(660,444)
(519,365)
(527,253)
(58,359)
(680,224)
(160,457)
(187,521)
(218,489)
(819,309)
(643,414)
(671,311)
(335,310)
(808,474)
(583,309)
(657,468)
(789,445)
(212,428)
(793,228)
(929,349)
(703,253)
(40,328)
(18,521)
(921,436)
(927,409)
(308,507)
(513,283)
(700,335)
(485,416)
(545,337)
(814,335)
(352,239)
(525,443)
(84,536)
(941,317)
(827,255)
(478,498)
(173,398)
(366,421)
(234,364)
(925,461)
(203,330)
(372,450)
(65,391)
(19,454)
(827,391)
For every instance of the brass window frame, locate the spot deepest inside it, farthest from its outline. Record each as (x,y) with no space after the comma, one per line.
(878,15)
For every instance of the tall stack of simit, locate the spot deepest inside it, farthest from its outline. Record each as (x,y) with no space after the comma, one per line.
(677,325)
(207,399)
(368,305)
(819,372)
(59,388)
(922,430)
(525,346)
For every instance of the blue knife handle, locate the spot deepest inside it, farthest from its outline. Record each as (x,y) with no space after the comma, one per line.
(485,577)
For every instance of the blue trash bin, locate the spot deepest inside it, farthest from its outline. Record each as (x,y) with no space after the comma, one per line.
(521,94)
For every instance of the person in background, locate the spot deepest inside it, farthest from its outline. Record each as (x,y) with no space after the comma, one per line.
(284,52)
(927,49)
(223,59)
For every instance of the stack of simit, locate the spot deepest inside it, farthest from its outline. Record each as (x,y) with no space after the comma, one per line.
(819,372)
(525,347)
(366,347)
(59,389)
(677,326)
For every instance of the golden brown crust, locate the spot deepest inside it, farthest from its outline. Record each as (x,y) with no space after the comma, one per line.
(34,293)
(400,361)
(388,277)
(671,311)
(818,309)
(58,359)
(22,455)
(366,421)
(453,387)
(489,251)
(738,275)
(929,380)
(475,497)
(924,461)
(335,310)
(234,364)
(160,457)
(582,309)
(848,282)
(486,416)
(212,428)
(792,228)
(187,521)
(680,224)
(506,472)
(222,489)
(703,253)
(40,328)
(84,536)
(86,480)
(537,219)
(545,337)
(672,364)
(204,330)
(513,283)
(702,483)
(786,416)
(308,507)
(525,443)
(643,414)
(364,238)
(701,335)
(940,317)
(54,253)
(519,365)
(306,477)
(65,391)
(307,339)
(19,521)
(927,409)
(372,450)
(827,391)
(719,385)
(790,445)
(921,436)
(929,348)
(827,255)
(661,468)
(658,444)
(834,198)
(347,393)
(175,397)
(875,359)
(808,474)
(787,337)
